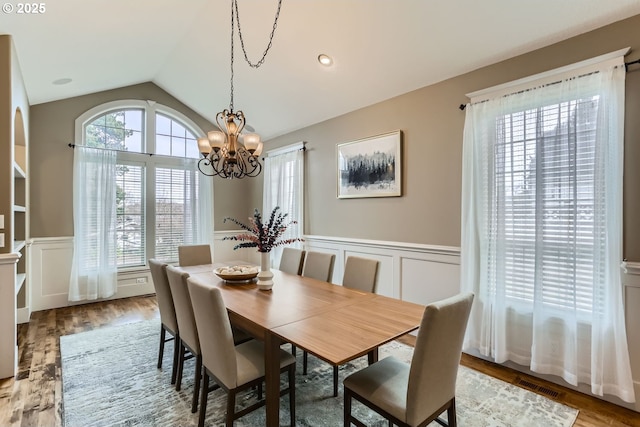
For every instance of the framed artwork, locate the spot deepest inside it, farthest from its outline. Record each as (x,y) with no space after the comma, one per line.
(370,167)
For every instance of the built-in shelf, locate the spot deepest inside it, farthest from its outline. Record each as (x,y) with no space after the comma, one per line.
(18,172)
(18,208)
(18,245)
(20,278)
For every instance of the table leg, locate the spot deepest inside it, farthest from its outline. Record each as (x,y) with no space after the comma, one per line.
(372,356)
(272,379)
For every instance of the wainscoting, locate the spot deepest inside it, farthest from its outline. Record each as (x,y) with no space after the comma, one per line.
(411,272)
(50,269)
(408,271)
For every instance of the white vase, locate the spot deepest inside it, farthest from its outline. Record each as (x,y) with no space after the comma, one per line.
(264,277)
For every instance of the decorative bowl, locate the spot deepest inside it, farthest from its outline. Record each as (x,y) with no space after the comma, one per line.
(237,273)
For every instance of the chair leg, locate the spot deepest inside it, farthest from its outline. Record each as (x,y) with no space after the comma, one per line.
(176,356)
(451,414)
(231,407)
(347,408)
(335,381)
(196,384)
(292,394)
(293,350)
(259,391)
(305,356)
(161,350)
(180,366)
(203,398)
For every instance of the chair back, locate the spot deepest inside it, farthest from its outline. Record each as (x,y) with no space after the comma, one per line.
(436,357)
(194,255)
(163,294)
(291,260)
(184,311)
(360,273)
(318,265)
(218,351)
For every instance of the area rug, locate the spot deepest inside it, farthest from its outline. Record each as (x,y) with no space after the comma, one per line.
(109,378)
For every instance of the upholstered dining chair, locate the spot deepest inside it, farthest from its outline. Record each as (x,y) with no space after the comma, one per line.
(194,255)
(318,265)
(189,343)
(168,321)
(233,368)
(360,274)
(291,260)
(415,394)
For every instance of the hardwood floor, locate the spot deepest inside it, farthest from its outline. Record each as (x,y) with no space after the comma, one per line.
(34,396)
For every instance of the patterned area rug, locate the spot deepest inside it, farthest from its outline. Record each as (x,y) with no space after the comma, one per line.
(110,378)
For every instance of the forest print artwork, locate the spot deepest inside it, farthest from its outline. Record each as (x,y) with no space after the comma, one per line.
(370,167)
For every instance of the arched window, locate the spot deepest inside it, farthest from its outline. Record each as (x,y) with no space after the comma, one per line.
(162,201)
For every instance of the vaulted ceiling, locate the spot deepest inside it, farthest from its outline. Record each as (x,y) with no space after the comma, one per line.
(380,48)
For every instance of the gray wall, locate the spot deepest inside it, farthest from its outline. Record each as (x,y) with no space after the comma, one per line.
(52,127)
(429,210)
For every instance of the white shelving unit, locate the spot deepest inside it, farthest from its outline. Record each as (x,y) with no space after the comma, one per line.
(20,229)
(14,280)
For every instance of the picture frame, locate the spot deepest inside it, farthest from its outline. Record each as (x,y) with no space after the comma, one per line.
(370,167)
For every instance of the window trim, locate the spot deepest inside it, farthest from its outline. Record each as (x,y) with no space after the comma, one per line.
(591,65)
(150,108)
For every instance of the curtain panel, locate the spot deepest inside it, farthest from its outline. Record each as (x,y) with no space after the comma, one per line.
(283,187)
(542,230)
(94,266)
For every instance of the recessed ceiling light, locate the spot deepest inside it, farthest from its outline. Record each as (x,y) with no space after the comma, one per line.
(64,81)
(325,60)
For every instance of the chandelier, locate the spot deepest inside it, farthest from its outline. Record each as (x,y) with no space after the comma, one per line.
(227,152)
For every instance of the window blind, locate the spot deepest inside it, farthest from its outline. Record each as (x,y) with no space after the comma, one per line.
(130,215)
(544,204)
(176,210)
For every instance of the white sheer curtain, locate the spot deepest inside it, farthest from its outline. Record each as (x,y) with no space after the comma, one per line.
(284,187)
(94,266)
(542,230)
(205,211)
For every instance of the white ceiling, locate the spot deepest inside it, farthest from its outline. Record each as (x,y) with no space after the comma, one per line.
(381,48)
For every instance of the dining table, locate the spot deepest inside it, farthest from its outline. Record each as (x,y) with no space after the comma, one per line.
(332,322)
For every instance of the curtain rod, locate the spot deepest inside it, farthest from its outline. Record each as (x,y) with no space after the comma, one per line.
(111,149)
(626,68)
(303,148)
(148,154)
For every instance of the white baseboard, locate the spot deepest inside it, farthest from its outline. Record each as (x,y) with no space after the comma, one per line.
(23,315)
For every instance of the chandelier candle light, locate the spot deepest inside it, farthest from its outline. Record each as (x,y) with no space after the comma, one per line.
(265,237)
(227,152)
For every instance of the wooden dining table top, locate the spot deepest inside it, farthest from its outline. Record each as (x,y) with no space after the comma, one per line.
(292,298)
(332,322)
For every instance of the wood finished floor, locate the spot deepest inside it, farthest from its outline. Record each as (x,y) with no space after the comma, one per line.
(34,396)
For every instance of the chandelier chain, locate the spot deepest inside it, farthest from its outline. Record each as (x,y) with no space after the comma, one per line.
(232,31)
(273,30)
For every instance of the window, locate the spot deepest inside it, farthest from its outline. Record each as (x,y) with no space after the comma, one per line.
(160,199)
(541,233)
(544,198)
